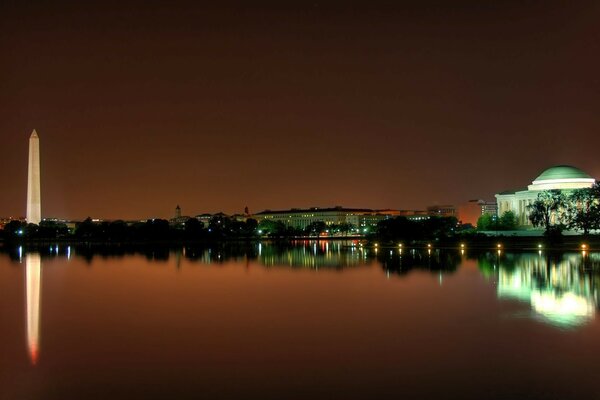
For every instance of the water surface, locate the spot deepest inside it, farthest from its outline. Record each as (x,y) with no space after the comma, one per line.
(314,320)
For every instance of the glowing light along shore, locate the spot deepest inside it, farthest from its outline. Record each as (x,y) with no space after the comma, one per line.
(34,201)
(33,273)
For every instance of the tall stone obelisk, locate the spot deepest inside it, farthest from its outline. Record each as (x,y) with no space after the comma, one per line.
(34,200)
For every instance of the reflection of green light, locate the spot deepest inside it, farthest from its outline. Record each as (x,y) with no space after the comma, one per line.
(562,309)
(560,295)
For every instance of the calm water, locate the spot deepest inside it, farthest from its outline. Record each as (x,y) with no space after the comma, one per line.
(317,320)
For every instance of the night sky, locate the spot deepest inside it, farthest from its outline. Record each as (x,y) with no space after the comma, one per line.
(143,106)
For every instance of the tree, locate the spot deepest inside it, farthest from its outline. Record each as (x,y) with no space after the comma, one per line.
(484,222)
(52,229)
(488,222)
(508,221)
(439,227)
(14,229)
(584,209)
(86,229)
(250,227)
(315,228)
(548,211)
(193,229)
(344,228)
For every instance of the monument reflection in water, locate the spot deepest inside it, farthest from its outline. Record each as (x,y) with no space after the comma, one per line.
(33,279)
(561,289)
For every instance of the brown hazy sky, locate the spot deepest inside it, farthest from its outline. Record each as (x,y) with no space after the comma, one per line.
(141,106)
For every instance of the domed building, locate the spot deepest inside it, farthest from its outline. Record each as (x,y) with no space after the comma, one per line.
(562,177)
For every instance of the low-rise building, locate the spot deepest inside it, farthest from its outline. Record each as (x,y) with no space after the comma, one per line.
(360,218)
(441,211)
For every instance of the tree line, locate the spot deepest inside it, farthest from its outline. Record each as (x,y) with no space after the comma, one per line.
(219,227)
(278,229)
(489,222)
(402,229)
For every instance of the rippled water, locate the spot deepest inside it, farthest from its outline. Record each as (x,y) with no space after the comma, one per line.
(313,320)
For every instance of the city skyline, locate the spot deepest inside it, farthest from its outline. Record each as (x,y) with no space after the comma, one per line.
(143,107)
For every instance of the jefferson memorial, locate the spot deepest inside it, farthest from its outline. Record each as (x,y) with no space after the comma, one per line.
(562,177)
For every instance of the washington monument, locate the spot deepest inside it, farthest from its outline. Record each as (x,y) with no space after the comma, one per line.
(34,200)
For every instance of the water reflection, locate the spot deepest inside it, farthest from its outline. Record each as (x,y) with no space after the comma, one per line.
(33,279)
(402,261)
(562,289)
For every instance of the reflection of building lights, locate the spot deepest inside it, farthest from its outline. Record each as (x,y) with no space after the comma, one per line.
(561,295)
(462,252)
(562,307)
(499,251)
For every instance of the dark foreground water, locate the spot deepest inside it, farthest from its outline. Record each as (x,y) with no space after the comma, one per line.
(318,320)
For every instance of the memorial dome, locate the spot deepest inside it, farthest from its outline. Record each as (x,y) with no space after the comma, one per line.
(562,177)
(562,172)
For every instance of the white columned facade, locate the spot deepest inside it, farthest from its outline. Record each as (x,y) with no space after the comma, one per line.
(560,177)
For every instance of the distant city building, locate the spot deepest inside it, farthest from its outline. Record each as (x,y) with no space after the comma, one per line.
(414,215)
(240,217)
(470,212)
(561,177)
(360,218)
(178,219)
(204,219)
(441,211)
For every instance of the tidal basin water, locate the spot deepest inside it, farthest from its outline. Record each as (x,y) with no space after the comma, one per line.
(314,320)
